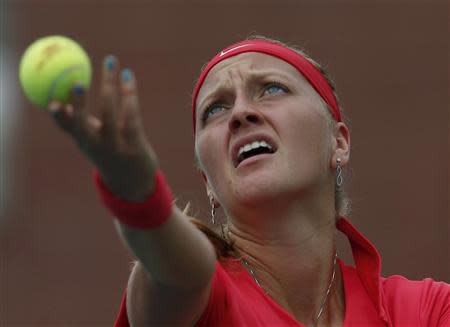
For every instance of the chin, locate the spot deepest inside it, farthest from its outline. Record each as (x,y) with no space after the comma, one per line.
(257,191)
(262,188)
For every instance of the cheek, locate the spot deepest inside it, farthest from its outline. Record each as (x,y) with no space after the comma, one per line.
(209,155)
(309,138)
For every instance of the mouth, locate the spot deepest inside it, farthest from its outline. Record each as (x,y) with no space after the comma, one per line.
(250,148)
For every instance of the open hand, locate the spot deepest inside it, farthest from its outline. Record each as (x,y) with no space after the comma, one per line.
(115,142)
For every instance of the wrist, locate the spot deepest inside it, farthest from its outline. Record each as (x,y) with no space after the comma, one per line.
(138,210)
(127,190)
(134,186)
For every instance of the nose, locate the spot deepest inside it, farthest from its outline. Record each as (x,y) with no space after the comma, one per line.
(244,115)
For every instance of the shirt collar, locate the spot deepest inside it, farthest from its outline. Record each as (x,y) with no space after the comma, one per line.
(367,262)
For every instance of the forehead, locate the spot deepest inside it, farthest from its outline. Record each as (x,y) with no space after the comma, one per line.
(243,65)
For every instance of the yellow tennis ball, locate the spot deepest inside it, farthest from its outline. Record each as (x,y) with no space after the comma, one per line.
(50,67)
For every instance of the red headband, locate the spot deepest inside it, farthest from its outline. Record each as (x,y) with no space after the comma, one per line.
(306,68)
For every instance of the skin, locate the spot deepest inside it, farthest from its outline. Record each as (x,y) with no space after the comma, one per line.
(159,293)
(280,207)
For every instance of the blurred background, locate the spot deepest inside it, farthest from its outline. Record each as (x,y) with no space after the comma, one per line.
(61,262)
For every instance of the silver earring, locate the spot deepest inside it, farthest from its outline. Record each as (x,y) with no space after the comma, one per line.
(222,231)
(212,203)
(213,209)
(339,177)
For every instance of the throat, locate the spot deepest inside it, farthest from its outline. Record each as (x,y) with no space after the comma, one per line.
(302,277)
(302,308)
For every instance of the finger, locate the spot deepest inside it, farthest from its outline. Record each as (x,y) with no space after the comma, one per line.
(62,115)
(68,116)
(94,123)
(77,105)
(78,99)
(130,118)
(73,118)
(109,97)
(87,122)
(81,128)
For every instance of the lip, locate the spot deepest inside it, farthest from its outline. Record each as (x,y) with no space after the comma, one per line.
(249,139)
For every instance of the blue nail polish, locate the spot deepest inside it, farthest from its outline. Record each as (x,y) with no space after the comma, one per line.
(126,75)
(110,63)
(78,90)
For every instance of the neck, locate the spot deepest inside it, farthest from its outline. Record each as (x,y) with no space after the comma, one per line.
(292,257)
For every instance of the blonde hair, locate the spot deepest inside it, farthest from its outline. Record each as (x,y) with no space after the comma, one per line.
(223,246)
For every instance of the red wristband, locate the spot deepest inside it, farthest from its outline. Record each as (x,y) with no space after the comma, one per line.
(150,213)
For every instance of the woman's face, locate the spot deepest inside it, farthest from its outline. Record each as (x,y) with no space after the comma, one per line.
(261,131)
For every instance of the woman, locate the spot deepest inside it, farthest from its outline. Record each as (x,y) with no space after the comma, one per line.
(271,145)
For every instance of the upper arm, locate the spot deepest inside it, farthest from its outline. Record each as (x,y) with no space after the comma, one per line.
(435,304)
(417,303)
(152,304)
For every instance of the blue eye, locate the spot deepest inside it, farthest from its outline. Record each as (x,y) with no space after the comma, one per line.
(274,88)
(212,110)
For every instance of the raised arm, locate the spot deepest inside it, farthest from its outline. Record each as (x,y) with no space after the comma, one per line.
(170,283)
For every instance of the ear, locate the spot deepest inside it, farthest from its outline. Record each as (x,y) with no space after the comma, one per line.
(341,145)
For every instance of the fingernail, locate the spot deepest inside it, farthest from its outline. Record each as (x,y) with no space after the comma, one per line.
(78,90)
(126,75)
(110,63)
(53,107)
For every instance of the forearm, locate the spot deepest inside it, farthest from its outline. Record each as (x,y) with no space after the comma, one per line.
(174,254)
(170,248)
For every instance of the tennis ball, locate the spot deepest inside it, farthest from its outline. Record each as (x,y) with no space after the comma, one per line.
(50,67)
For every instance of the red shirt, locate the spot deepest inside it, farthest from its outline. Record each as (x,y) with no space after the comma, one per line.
(371,300)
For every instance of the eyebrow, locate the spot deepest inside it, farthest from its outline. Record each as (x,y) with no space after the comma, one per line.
(251,77)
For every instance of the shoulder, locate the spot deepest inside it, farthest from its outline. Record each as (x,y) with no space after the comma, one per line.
(423,291)
(427,301)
